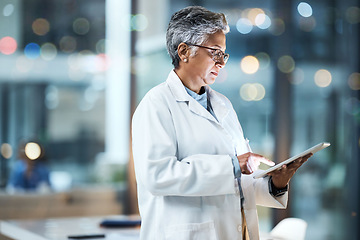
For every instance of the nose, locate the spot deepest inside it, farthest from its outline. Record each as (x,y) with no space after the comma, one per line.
(220,64)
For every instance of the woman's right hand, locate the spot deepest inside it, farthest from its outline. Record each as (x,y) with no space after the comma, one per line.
(249,162)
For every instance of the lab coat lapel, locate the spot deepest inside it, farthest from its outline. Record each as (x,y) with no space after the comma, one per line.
(178,90)
(219,107)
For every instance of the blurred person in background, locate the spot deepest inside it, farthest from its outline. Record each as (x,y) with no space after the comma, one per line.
(192,162)
(30,172)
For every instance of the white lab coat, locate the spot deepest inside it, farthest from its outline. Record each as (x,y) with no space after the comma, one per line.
(185,180)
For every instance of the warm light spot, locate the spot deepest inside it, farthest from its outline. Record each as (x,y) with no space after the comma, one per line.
(67,44)
(81,26)
(260,91)
(41,26)
(32,150)
(6,150)
(249,64)
(253,13)
(286,64)
(322,78)
(305,9)
(48,51)
(354,81)
(252,92)
(244,26)
(8,45)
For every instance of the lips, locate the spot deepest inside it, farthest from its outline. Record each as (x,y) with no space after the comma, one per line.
(215,73)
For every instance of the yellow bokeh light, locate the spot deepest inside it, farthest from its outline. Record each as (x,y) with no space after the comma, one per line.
(354,81)
(249,64)
(48,51)
(6,150)
(32,150)
(252,92)
(286,64)
(322,78)
(41,26)
(253,13)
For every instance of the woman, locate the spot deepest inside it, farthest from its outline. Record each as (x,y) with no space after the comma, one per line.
(192,162)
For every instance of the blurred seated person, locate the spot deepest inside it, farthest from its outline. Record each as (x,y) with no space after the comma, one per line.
(30,172)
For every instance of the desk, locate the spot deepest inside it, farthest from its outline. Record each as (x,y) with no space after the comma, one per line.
(60,228)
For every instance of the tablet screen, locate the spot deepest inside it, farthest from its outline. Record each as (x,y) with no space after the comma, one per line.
(314,149)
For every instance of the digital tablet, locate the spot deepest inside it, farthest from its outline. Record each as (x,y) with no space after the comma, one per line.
(314,149)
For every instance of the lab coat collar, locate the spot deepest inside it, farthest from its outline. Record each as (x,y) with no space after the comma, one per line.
(178,90)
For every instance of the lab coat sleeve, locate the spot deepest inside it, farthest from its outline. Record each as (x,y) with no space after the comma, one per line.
(156,165)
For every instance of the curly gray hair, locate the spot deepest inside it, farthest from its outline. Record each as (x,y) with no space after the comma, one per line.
(192,25)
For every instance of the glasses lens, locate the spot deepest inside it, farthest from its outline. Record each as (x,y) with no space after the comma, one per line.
(219,56)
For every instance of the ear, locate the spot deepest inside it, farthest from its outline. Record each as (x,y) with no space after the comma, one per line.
(183,52)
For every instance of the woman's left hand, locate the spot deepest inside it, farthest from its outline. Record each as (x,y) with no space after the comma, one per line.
(281,177)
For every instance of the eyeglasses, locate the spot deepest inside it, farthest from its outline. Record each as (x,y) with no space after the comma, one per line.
(216,54)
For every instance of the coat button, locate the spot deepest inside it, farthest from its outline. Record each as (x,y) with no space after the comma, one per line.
(239,228)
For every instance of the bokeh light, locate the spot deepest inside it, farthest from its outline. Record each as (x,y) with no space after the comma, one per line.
(354,81)
(304,9)
(8,10)
(286,64)
(264,59)
(100,46)
(252,92)
(307,24)
(249,64)
(41,26)
(81,26)
(262,21)
(244,26)
(48,51)
(32,50)
(68,44)
(139,22)
(8,45)
(32,150)
(322,78)
(298,76)
(6,150)
(253,13)
(352,15)
(51,97)
(277,27)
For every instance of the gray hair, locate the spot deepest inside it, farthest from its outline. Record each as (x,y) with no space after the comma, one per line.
(192,25)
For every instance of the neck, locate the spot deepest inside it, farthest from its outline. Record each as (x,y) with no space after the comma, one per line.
(188,82)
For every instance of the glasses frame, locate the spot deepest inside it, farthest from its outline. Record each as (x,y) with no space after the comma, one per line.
(214,56)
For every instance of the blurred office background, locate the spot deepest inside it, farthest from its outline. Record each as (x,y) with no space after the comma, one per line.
(73,71)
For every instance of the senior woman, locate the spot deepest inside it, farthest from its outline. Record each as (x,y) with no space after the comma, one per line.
(192,162)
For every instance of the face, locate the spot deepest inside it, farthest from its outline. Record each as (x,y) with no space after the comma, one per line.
(200,68)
